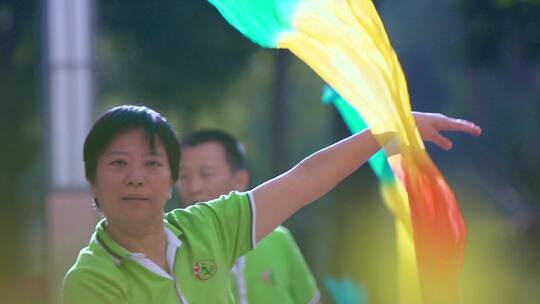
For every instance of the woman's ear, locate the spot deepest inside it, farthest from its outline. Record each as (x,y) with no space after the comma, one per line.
(93,188)
(95,204)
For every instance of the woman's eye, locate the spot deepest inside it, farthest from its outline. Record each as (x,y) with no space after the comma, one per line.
(206,175)
(153,164)
(118,163)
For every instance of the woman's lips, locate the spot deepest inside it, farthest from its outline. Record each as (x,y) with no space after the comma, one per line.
(134,198)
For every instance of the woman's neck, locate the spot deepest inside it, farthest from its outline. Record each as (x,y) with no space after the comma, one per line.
(149,240)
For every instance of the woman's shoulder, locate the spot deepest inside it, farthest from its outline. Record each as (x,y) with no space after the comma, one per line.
(210,210)
(94,277)
(94,261)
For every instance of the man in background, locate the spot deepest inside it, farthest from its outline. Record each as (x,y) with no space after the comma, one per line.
(213,163)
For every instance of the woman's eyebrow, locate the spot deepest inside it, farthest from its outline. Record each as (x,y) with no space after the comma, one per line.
(154,153)
(120,152)
(116,153)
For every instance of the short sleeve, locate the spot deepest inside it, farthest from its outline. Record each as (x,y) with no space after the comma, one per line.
(303,285)
(228,221)
(83,286)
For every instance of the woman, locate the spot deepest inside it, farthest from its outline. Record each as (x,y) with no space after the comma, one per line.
(139,255)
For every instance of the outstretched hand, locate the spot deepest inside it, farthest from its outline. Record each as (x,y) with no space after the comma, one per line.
(430,126)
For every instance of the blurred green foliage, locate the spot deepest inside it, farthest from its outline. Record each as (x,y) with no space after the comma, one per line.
(169,53)
(21,161)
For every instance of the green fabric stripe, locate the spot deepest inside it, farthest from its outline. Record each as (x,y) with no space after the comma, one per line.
(262,21)
(356,124)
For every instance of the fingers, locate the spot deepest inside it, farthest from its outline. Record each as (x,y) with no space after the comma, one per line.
(430,126)
(458,125)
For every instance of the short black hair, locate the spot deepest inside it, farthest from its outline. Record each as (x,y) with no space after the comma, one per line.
(235,152)
(124,118)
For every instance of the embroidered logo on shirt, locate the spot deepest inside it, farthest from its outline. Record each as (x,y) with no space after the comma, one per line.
(268,278)
(204,269)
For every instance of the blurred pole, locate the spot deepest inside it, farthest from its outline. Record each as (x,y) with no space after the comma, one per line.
(68,75)
(279,107)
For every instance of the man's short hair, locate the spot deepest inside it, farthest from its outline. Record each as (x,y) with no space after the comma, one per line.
(235,152)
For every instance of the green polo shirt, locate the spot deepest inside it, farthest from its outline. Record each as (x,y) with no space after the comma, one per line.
(211,236)
(274,272)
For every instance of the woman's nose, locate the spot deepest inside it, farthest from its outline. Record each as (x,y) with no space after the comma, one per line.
(135,177)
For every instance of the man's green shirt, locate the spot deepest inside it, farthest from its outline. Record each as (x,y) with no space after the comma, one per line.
(274,272)
(209,239)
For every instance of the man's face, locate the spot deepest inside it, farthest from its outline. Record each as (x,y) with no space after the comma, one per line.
(205,174)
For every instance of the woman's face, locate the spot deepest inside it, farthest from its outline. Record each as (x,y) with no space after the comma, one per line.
(133,183)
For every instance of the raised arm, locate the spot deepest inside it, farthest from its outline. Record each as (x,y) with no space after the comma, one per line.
(282,196)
